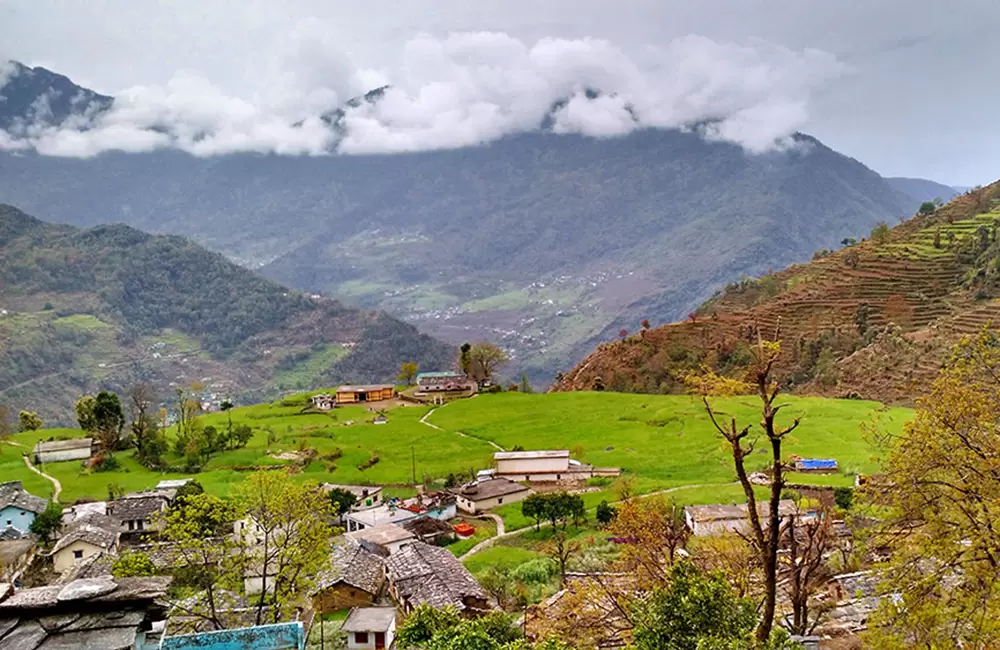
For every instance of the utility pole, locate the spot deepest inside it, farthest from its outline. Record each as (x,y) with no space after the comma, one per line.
(413,464)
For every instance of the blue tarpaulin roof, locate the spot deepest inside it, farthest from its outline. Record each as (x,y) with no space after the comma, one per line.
(818,463)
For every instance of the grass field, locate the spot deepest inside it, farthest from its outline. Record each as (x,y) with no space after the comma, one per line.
(664,441)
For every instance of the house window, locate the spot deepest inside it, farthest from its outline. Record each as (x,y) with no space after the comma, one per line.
(10,523)
(558,478)
(131,525)
(77,554)
(500,500)
(138,524)
(361,637)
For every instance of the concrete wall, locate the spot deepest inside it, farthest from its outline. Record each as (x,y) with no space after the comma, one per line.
(282,636)
(60,456)
(15,517)
(64,559)
(475,507)
(533,465)
(352,643)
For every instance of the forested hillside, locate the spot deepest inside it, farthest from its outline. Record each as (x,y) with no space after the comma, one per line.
(874,319)
(544,243)
(101,307)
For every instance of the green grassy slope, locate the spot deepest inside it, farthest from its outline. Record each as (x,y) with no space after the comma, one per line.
(664,441)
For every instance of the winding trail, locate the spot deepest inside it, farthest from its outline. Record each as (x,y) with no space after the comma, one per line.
(423,420)
(54,480)
(486,543)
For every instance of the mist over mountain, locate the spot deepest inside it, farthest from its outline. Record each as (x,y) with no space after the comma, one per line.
(544,240)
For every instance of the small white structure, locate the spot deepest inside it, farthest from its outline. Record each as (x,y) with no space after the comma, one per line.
(61,450)
(478,496)
(83,510)
(721,519)
(550,465)
(370,628)
(368,496)
(387,513)
(383,540)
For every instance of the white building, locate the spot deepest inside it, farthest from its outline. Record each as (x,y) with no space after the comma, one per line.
(383,540)
(368,496)
(479,496)
(546,466)
(721,519)
(392,513)
(370,628)
(61,450)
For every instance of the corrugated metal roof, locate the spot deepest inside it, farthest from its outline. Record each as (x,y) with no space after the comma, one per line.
(522,455)
(364,388)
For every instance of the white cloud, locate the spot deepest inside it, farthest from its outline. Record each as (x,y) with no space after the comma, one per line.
(463,89)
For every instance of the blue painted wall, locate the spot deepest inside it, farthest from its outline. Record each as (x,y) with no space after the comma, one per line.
(283,636)
(18,518)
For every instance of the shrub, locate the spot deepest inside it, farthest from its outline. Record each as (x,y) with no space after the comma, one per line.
(844,497)
(104,463)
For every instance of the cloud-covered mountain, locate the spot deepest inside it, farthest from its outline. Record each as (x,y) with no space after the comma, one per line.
(545,239)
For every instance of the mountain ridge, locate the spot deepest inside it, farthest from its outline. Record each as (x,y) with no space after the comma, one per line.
(105,306)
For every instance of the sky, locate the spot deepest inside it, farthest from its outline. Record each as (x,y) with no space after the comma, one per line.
(901,85)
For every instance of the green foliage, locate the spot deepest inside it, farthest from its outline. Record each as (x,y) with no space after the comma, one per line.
(342,500)
(844,497)
(426,628)
(408,372)
(190,489)
(84,408)
(46,524)
(554,507)
(605,513)
(133,564)
(525,385)
(29,421)
(109,419)
(693,612)
(880,233)
(927,207)
(105,462)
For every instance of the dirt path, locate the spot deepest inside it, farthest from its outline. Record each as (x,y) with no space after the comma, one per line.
(423,420)
(486,543)
(54,480)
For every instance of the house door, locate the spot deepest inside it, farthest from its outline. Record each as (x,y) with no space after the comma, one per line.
(379,640)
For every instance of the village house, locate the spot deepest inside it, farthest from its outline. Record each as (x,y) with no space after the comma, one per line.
(84,510)
(370,628)
(479,496)
(323,401)
(83,538)
(391,512)
(430,530)
(365,393)
(106,613)
(18,507)
(138,513)
(368,496)
(16,550)
(423,574)
(58,451)
(552,465)
(384,539)
(430,382)
(436,505)
(721,519)
(356,578)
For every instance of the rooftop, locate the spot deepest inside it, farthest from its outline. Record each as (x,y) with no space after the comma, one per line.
(137,506)
(96,530)
(521,455)
(63,445)
(384,534)
(421,573)
(364,388)
(354,565)
(279,636)
(360,491)
(495,487)
(369,619)
(13,494)
(382,515)
(437,375)
(173,483)
(786,507)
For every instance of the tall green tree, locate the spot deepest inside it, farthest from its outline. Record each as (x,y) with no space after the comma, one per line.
(47,524)
(84,408)
(484,358)
(109,420)
(29,421)
(408,372)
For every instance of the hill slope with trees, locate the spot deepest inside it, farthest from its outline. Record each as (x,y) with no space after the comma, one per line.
(875,319)
(102,307)
(545,243)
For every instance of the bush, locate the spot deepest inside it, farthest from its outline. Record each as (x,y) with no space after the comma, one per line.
(104,463)
(844,497)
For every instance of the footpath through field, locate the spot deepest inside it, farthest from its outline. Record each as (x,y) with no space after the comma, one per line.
(54,480)
(487,543)
(423,420)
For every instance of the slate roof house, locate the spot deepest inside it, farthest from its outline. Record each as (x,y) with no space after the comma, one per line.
(477,496)
(420,573)
(356,577)
(137,512)
(83,538)
(18,507)
(106,613)
(720,519)
(384,540)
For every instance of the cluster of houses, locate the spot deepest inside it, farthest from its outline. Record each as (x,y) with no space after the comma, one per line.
(428,384)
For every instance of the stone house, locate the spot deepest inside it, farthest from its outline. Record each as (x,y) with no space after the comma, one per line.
(430,530)
(479,496)
(138,513)
(384,539)
(721,519)
(370,628)
(82,539)
(18,507)
(356,578)
(57,451)
(442,381)
(423,574)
